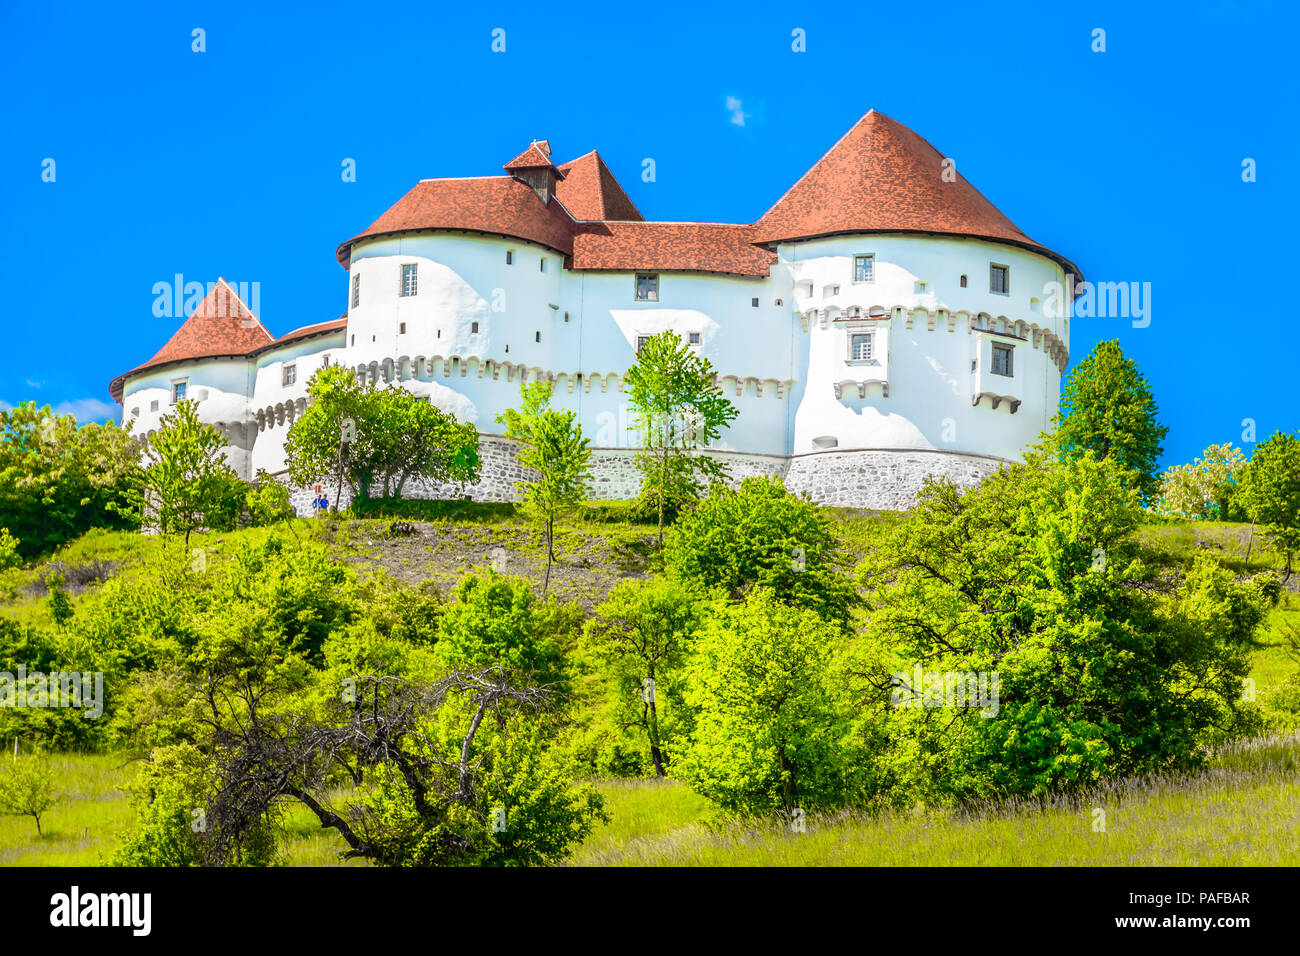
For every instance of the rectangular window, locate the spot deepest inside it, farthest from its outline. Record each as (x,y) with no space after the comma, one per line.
(861,346)
(510,257)
(864,268)
(753,303)
(537,337)
(542,265)
(410,280)
(999,280)
(153,406)
(641,340)
(1002,359)
(695,338)
(178,390)
(963,282)
(289,375)
(356,290)
(647,287)
(473,328)
(401,328)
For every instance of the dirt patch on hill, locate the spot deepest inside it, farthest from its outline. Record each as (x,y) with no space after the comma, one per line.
(588,563)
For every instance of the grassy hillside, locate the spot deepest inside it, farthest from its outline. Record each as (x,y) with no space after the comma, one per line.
(1242,809)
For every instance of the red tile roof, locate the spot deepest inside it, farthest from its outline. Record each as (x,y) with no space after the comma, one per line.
(221,326)
(590,191)
(882,177)
(497,205)
(537,155)
(306,332)
(669,246)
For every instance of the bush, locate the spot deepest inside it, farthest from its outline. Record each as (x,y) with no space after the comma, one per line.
(770,722)
(760,535)
(1032,585)
(267,502)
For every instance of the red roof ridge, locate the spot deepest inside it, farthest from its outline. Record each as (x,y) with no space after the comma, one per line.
(534,157)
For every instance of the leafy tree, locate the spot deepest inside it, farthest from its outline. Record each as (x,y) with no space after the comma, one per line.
(1203,489)
(27,787)
(555,455)
(679,408)
(59,603)
(1107,408)
(186,483)
(9,557)
(378,439)
(267,501)
(761,535)
(494,622)
(770,723)
(640,639)
(1034,578)
(1270,493)
(317,443)
(404,438)
(534,398)
(58,479)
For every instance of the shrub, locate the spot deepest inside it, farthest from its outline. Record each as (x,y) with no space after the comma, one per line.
(770,724)
(760,535)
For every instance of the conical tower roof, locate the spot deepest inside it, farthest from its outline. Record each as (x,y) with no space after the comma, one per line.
(882,177)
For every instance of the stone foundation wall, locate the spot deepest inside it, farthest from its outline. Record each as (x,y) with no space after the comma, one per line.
(882,479)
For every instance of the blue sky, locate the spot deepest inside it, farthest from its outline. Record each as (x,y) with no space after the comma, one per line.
(227,162)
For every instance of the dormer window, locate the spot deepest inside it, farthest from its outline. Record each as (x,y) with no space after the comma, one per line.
(647,287)
(410,279)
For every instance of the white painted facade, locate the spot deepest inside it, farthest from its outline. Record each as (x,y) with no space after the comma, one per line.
(476,326)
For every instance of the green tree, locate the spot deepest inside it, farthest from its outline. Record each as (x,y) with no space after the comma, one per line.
(186,483)
(318,441)
(495,622)
(59,479)
(762,535)
(770,724)
(267,501)
(556,458)
(1049,660)
(27,787)
(1203,489)
(9,557)
(1270,493)
(679,408)
(1107,408)
(639,640)
(378,439)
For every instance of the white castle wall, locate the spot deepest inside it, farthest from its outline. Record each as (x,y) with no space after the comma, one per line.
(931,359)
(852,434)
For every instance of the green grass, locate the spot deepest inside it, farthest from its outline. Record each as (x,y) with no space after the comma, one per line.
(1242,810)
(84,826)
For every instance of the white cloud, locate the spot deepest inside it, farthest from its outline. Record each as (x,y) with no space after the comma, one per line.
(737,111)
(32,384)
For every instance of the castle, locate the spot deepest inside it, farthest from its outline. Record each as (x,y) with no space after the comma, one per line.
(880,323)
